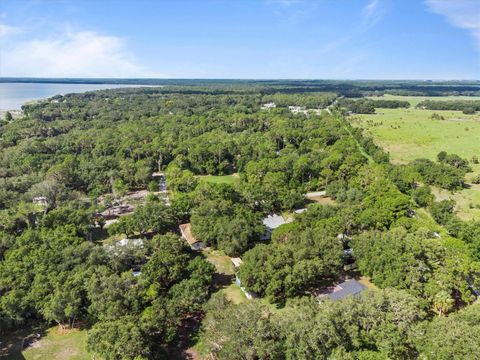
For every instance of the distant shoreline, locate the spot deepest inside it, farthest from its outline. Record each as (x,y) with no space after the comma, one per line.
(15,94)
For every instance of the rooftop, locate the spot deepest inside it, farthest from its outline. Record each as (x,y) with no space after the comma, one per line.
(236,261)
(274,221)
(349,287)
(186,230)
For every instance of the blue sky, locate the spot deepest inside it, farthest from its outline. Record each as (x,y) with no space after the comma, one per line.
(320,39)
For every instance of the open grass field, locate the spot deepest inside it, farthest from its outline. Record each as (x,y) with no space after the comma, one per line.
(414,100)
(409,134)
(54,344)
(224,179)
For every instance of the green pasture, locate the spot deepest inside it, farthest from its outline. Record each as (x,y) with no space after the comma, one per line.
(414,100)
(409,134)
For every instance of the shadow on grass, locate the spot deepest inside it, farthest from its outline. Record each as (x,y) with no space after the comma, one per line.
(12,344)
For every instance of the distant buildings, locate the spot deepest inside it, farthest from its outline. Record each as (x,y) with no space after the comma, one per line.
(268,106)
(186,230)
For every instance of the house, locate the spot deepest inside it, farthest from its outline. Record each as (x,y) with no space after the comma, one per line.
(236,262)
(186,230)
(272,222)
(349,287)
(268,106)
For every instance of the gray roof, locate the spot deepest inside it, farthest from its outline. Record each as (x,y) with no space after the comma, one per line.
(349,287)
(273,221)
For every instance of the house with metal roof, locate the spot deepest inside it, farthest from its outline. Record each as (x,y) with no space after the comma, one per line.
(272,222)
(349,287)
(186,230)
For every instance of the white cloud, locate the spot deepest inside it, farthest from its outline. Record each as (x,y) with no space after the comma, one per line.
(6,30)
(373,12)
(464,14)
(70,54)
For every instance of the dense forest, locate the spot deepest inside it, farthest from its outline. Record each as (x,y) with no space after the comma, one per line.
(70,158)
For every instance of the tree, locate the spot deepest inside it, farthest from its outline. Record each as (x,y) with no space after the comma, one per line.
(8,116)
(453,337)
(119,339)
(423,196)
(442,211)
(379,322)
(240,332)
(282,270)
(119,188)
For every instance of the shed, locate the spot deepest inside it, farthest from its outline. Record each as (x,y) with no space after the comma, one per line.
(236,262)
(186,230)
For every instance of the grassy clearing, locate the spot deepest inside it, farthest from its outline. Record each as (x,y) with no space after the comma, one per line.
(54,344)
(467,201)
(222,179)
(414,100)
(409,134)
(222,262)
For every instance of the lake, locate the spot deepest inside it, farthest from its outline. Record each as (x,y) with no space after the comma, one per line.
(14,95)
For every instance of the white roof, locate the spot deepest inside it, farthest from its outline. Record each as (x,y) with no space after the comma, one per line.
(236,261)
(274,221)
(133,242)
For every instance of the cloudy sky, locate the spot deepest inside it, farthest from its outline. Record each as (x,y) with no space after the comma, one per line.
(322,39)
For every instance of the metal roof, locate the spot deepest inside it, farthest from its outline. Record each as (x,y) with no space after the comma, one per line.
(349,287)
(274,221)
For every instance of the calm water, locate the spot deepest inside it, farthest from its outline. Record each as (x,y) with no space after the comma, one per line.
(14,95)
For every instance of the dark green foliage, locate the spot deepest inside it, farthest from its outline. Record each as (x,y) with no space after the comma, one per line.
(440,174)
(154,217)
(56,265)
(377,323)
(454,337)
(281,270)
(467,106)
(245,331)
(412,261)
(442,211)
(423,196)
(362,106)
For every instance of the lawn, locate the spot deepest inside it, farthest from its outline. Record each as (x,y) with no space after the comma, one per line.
(409,134)
(220,179)
(54,344)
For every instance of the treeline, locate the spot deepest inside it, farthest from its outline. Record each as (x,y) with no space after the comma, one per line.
(310,101)
(368,106)
(466,106)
